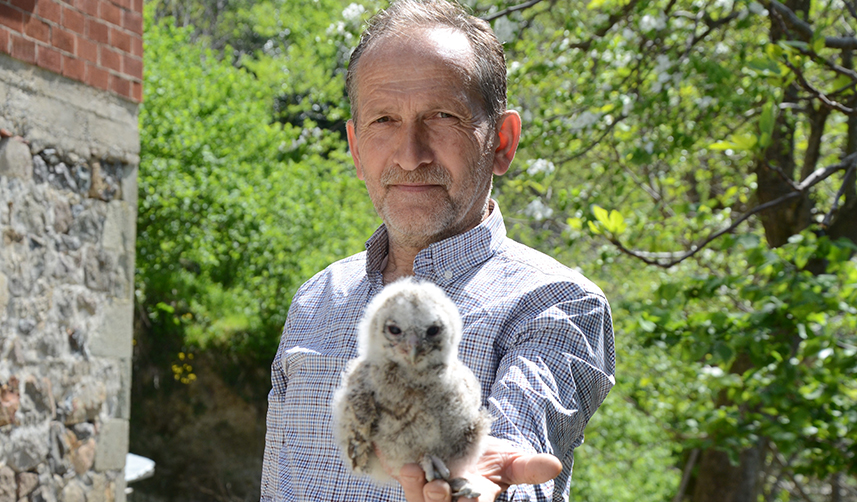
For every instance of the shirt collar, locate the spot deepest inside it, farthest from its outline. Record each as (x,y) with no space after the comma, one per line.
(444,261)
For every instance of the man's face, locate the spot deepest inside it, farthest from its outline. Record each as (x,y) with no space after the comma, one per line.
(421,139)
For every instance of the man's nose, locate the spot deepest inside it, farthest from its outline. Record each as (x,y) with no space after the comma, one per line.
(414,148)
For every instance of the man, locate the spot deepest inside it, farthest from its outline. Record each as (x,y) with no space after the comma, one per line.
(429,129)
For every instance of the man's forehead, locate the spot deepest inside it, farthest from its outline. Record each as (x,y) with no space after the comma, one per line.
(435,44)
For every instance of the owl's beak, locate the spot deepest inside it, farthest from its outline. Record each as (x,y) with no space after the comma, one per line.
(413,345)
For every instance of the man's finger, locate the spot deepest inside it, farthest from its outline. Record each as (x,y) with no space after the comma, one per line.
(532,469)
(413,479)
(437,491)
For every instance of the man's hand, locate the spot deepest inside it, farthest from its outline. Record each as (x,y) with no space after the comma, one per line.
(501,466)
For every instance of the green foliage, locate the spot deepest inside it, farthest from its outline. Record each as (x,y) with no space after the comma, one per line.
(801,393)
(235,210)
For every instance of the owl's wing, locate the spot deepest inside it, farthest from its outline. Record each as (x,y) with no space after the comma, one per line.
(356,419)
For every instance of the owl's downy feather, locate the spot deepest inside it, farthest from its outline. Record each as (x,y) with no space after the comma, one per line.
(407,393)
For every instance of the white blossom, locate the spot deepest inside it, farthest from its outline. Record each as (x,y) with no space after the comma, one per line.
(705,101)
(504,29)
(537,210)
(540,166)
(353,12)
(650,22)
(583,120)
(713,371)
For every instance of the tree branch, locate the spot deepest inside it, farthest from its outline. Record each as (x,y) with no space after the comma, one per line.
(817,93)
(813,179)
(509,10)
(685,477)
(787,468)
(829,216)
(593,144)
(806,29)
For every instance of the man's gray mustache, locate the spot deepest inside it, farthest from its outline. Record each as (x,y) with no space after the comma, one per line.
(433,175)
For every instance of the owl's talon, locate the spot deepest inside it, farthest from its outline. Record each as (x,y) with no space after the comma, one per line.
(434,468)
(460,487)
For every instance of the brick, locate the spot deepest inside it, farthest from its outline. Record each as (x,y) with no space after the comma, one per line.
(124,4)
(38,29)
(132,21)
(4,40)
(120,40)
(137,91)
(73,20)
(73,68)
(49,10)
(25,5)
(50,59)
(132,66)
(62,39)
(87,6)
(120,86)
(23,49)
(137,45)
(137,5)
(11,17)
(110,13)
(87,50)
(96,77)
(97,31)
(110,59)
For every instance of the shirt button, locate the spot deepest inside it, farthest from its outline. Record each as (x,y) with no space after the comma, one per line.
(448,274)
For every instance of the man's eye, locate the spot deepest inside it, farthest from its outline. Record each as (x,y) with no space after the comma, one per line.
(381,120)
(445,115)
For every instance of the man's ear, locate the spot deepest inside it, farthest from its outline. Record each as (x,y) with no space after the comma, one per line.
(508,135)
(352,146)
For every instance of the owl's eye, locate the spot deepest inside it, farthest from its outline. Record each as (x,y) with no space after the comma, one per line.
(432,331)
(394,330)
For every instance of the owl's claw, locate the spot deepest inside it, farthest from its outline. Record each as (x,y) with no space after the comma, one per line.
(460,487)
(436,469)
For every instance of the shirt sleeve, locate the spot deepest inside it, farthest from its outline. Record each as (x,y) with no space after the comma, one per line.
(557,368)
(275,433)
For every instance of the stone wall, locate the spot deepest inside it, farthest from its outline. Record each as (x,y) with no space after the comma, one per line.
(68,201)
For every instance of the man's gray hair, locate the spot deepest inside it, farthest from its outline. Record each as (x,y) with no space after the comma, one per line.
(406,16)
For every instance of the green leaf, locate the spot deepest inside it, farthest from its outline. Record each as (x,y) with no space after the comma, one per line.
(601,215)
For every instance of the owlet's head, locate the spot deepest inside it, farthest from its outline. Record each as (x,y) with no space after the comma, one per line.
(411,323)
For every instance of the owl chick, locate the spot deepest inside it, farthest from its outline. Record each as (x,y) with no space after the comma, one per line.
(407,396)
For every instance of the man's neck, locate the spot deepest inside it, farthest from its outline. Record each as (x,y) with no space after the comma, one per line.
(402,251)
(400,262)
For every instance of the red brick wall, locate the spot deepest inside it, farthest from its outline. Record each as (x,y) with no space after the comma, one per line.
(98,42)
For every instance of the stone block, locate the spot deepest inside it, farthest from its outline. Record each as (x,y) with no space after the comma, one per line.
(129,187)
(115,335)
(4,293)
(27,482)
(124,397)
(83,455)
(29,447)
(119,227)
(10,401)
(86,402)
(98,269)
(112,445)
(8,487)
(15,159)
(73,492)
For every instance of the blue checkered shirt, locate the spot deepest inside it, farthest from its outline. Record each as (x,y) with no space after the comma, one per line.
(537,335)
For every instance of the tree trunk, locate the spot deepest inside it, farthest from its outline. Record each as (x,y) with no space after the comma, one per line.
(720,481)
(717,479)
